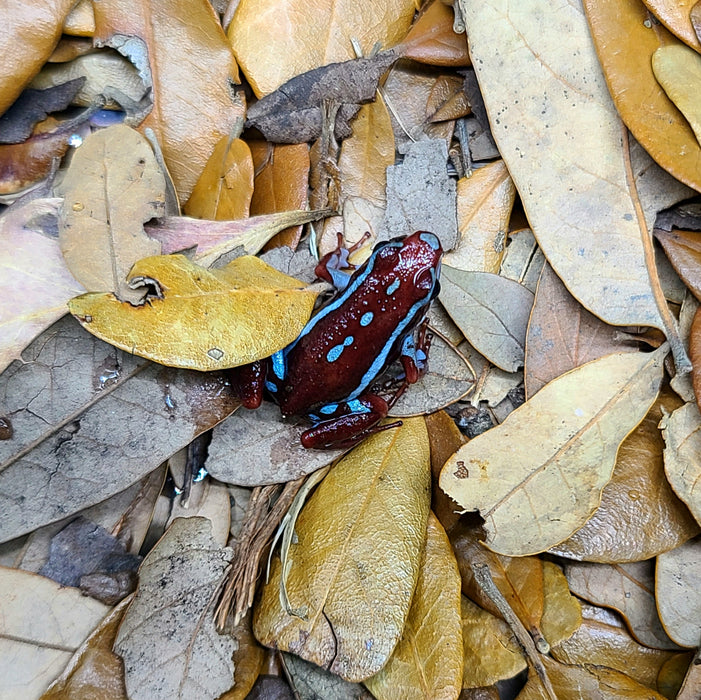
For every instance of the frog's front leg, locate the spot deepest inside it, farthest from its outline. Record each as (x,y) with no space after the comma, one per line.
(248,382)
(414,355)
(347,423)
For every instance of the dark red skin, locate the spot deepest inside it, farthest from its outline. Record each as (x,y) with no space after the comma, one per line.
(311,379)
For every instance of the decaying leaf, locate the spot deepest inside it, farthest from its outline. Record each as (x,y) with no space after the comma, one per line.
(42,625)
(627,588)
(325,36)
(35,281)
(293,113)
(78,408)
(421,196)
(491,311)
(639,515)
(572,429)
(428,661)
(189,68)
(201,319)
(112,186)
(577,191)
(678,589)
(351,604)
(178,582)
(682,435)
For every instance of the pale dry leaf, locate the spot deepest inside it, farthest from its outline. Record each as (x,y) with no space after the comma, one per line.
(681,430)
(484,201)
(112,186)
(491,311)
(312,682)
(207,499)
(428,661)
(255,448)
(678,592)
(585,415)
(43,623)
(78,408)
(36,284)
(628,588)
(575,200)
(353,603)
(523,260)
(323,37)
(639,515)
(178,582)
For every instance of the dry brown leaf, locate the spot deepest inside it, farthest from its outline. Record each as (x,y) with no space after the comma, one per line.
(281,183)
(428,661)
(111,187)
(189,66)
(639,515)
(248,660)
(563,335)
(681,431)
(178,582)
(24,164)
(485,200)
(562,612)
(695,353)
(604,641)
(491,650)
(28,36)
(585,683)
(678,70)
(491,311)
(626,40)
(523,260)
(323,37)
(674,14)
(225,187)
(585,415)
(201,319)
(94,672)
(353,603)
(36,283)
(683,249)
(628,588)
(407,92)
(678,588)
(432,39)
(274,453)
(80,20)
(43,623)
(556,95)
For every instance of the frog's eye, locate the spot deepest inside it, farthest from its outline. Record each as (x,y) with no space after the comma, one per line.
(425,279)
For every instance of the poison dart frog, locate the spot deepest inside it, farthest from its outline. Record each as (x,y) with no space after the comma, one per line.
(328,372)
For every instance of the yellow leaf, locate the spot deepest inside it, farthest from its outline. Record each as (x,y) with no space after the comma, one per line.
(490,649)
(355,564)
(428,660)
(206,319)
(225,187)
(323,37)
(678,70)
(538,476)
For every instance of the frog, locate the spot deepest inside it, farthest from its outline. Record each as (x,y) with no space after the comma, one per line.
(376,317)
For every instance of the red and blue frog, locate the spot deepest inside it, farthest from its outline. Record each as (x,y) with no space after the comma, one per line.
(376,317)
